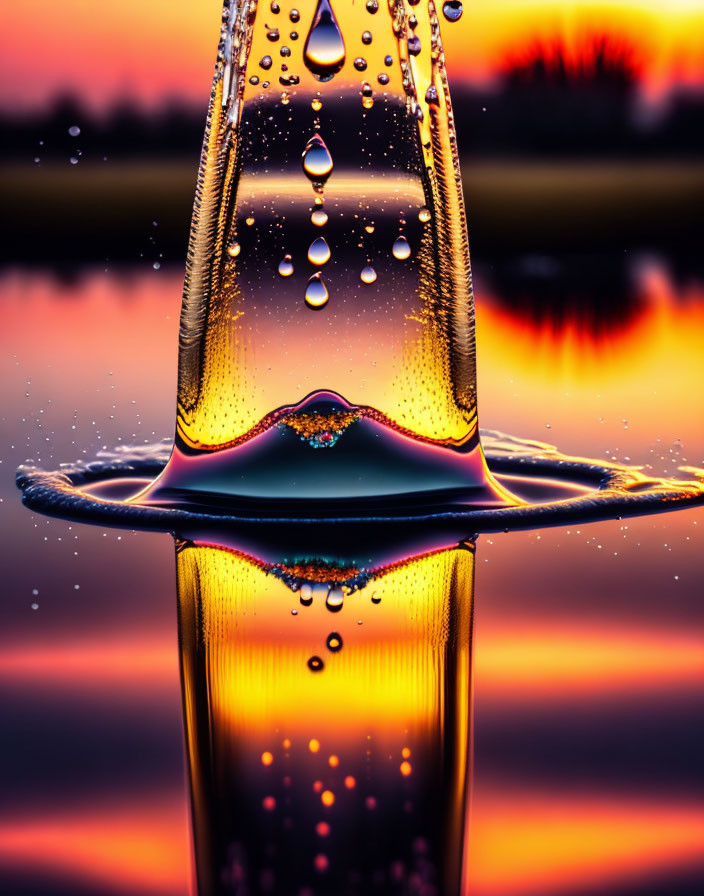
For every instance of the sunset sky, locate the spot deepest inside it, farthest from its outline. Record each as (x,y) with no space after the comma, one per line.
(146,50)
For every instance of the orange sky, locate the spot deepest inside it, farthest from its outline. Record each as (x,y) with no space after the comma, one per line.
(148,49)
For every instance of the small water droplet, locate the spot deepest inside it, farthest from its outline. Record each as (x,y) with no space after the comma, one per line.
(388,61)
(360,64)
(424,215)
(319,251)
(273,35)
(369,228)
(316,104)
(317,161)
(254,80)
(431,96)
(376,599)
(285,52)
(249,221)
(233,250)
(294,15)
(366,37)
(372,6)
(316,294)
(324,51)
(335,599)
(74,130)
(286,267)
(315,664)
(368,274)
(73,160)
(275,8)
(266,62)
(414,46)
(293,35)
(401,248)
(305,595)
(319,217)
(334,642)
(383,79)
(452,10)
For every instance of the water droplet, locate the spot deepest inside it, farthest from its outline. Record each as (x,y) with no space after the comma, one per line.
(368,274)
(369,228)
(413,22)
(273,35)
(254,80)
(285,52)
(73,160)
(285,99)
(266,62)
(74,130)
(294,15)
(293,35)
(414,45)
(366,37)
(319,217)
(401,249)
(335,599)
(305,595)
(376,599)
(431,96)
(388,61)
(324,51)
(383,79)
(360,64)
(424,215)
(372,6)
(275,8)
(315,664)
(249,221)
(452,10)
(316,104)
(316,294)
(319,251)
(233,250)
(286,269)
(317,161)
(334,642)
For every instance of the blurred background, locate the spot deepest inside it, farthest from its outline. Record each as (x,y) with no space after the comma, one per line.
(581,134)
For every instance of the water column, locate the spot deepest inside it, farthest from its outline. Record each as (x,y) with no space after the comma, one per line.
(327,710)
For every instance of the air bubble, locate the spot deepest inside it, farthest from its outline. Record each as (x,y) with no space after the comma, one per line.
(319,252)
(316,295)
(452,10)
(368,274)
(401,248)
(424,215)
(316,104)
(234,249)
(286,266)
(324,51)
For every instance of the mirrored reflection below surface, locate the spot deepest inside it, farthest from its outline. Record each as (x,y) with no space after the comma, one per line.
(327,712)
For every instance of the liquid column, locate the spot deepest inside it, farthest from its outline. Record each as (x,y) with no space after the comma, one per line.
(327,717)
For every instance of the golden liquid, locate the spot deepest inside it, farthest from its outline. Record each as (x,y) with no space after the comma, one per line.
(373,746)
(403,344)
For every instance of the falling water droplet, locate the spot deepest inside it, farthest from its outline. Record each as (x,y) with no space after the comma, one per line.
(316,104)
(233,250)
(414,45)
(424,215)
(324,51)
(319,251)
(317,294)
(368,274)
(335,599)
(305,595)
(319,217)
(286,266)
(452,10)
(317,161)
(401,248)
(334,642)
(315,664)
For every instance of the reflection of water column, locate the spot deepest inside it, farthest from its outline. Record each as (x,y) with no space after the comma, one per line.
(327,739)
